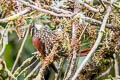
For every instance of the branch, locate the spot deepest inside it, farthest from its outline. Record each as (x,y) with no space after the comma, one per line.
(25,69)
(96,21)
(20,51)
(57,76)
(27,61)
(32,72)
(74,53)
(89,7)
(106,72)
(4,68)
(116,67)
(72,65)
(91,20)
(15,16)
(96,43)
(4,40)
(102,5)
(58,9)
(68,67)
(46,11)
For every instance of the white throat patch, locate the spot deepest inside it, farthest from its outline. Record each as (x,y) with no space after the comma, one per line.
(38,26)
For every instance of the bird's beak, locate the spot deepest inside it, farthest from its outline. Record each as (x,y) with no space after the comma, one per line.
(31,29)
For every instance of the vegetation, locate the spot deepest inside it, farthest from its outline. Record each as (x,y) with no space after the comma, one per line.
(85,46)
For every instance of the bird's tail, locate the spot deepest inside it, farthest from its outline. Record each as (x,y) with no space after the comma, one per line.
(53,67)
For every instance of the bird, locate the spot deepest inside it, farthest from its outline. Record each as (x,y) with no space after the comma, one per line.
(41,40)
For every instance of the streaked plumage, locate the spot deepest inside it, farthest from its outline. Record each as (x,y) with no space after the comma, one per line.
(42,41)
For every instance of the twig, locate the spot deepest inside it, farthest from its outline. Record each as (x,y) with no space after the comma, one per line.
(32,72)
(26,68)
(89,7)
(15,16)
(73,61)
(40,75)
(116,66)
(11,75)
(68,67)
(46,11)
(58,9)
(103,5)
(23,64)
(105,1)
(93,21)
(106,72)
(96,21)
(94,9)
(3,65)
(73,56)
(74,53)
(96,43)
(20,51)
(5,40)
(57,76)
(72,65)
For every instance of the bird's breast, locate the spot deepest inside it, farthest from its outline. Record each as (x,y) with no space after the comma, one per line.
(37,43)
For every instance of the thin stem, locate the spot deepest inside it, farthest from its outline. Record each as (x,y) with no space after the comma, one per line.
(2,63)
(57,76)
(74,53)
(106,72)
(96,43)
(89,7)
(94,21)
(15,16)
(27,61)
(46,11)
(32,72)
(116,67)
(5,41)
(68,67)
(20,51)
(26,68)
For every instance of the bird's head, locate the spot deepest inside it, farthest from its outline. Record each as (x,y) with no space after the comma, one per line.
(38,26)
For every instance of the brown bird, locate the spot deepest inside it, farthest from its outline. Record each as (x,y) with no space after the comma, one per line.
(42,36)
(42,41)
